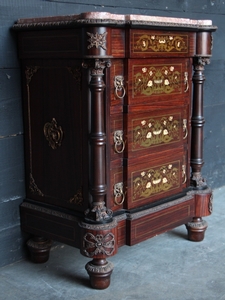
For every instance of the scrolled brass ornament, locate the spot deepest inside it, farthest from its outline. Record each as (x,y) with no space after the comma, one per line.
(53,134)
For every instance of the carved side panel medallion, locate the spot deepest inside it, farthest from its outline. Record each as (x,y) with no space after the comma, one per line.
(53,134)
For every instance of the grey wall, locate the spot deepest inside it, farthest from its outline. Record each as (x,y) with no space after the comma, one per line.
(11,129)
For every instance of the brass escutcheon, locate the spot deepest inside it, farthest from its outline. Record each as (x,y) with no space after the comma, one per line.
(53,134)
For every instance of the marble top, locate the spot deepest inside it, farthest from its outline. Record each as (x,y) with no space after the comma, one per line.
(109,18)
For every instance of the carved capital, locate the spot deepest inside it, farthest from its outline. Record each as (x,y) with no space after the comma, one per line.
(97,65)
(200,62)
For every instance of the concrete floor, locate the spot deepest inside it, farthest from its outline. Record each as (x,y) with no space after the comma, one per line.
(166,267)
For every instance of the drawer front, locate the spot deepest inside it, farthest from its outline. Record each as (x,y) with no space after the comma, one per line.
(145,43)
(156,130)
(152,179)
(157,81)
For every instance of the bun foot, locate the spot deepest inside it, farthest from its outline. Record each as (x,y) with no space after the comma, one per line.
(39,248)
(99,272)
(196,229)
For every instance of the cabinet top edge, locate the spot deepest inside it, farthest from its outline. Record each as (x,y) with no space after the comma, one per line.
(108,19)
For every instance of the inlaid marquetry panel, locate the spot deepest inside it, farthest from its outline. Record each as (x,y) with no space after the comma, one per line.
(150,179)
(150,80)
(155,43)
(155,130)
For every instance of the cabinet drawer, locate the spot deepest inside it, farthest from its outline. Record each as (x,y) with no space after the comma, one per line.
(150,81)
(145,43)
(152,179)
(155,130)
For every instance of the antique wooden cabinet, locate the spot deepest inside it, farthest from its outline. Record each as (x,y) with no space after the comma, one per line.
(113,121)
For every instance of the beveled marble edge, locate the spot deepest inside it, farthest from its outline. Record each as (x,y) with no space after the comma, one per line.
(168,20)
(104,17)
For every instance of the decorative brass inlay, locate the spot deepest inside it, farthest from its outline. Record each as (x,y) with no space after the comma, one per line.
(156,79)
(76,73)
(161,43)
(155,131)
(77,198)
(156,180)
(53,134)
(97,40)
(119,143)
(120,91)
(98,244)
(33,187)
(119,195)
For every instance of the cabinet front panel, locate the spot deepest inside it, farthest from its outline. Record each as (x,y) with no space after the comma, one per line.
(155,130)
(56,153)
(146,43)
(151,179)
(162,80)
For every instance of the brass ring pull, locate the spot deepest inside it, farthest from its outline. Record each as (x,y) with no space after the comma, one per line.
(120,91)
(119,196)
(185,129)
(186,81)
(119,144)
(184,174)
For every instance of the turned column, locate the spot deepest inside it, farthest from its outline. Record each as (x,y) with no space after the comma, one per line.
(203,195)
(99,229)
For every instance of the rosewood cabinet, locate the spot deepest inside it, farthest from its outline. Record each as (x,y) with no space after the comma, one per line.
(113,121)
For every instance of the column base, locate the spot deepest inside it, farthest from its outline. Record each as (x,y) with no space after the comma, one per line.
(196,229)
(39,248)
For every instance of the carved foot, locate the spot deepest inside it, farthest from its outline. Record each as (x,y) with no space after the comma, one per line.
(39,249)
(99,271)
(196,229)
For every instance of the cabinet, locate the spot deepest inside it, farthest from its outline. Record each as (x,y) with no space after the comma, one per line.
(113,121)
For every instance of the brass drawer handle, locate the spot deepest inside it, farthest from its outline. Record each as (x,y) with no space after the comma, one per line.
(119,196)
(186,81)
(184,175)
(119,144)
(185,129)
(120,91)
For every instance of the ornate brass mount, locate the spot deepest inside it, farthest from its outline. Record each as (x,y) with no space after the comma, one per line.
(185,129)
(119,144)
(97,40)
(186,81)
(119,195)
(53,134)
(120,91)
(184,175)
